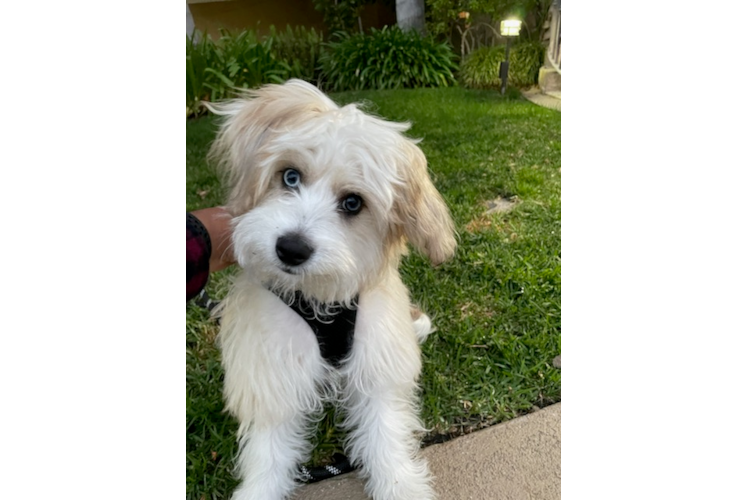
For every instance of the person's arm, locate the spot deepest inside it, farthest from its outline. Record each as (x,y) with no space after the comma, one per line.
(208,246)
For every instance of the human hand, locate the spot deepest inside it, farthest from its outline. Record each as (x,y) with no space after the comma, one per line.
(217,222)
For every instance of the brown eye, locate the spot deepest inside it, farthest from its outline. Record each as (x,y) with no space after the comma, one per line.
(352,204)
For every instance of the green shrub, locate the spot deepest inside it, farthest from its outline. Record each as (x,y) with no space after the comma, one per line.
(236,60)
(299,48)
(525,61)
(248,61)
(340,15)
(200,57)
(386,59)
(480,69)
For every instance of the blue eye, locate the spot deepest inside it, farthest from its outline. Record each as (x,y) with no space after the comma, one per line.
(291,178)
(352,204)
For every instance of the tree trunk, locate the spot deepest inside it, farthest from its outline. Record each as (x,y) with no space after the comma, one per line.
(411,15)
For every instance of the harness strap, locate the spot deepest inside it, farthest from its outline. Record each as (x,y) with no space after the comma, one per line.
(334,332)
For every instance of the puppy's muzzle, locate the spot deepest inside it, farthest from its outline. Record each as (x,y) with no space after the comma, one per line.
(293,249)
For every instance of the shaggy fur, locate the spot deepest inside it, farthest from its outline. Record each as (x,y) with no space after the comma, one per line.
(275,378)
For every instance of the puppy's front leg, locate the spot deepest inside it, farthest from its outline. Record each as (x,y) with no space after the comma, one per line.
(268,459)
(273,372)
(381,400)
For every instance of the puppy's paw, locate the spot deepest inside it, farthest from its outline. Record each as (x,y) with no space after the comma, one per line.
(421,324)
(270,490)
(407,484)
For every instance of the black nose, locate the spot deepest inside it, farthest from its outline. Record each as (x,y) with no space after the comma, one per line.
(293,249)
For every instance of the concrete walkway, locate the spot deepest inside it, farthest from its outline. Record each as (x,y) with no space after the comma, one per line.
(550,100)
(517,460)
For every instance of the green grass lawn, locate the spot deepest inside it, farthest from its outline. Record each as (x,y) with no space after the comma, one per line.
(496,305)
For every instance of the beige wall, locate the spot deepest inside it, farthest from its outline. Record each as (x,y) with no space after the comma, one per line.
(239,14)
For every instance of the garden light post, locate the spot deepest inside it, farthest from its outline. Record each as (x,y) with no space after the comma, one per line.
(509,28)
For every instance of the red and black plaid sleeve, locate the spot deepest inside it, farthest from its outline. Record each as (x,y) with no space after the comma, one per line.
(198,256)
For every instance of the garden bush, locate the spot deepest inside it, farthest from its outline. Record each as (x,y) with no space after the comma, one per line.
(480,69)
(386,59)
(341,15)
(525,61)
(235,61)
(200,57)
(300,49)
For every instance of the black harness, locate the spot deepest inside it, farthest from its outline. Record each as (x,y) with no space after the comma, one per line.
(334,331)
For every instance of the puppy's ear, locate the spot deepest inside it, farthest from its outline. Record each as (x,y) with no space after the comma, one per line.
(422,210)
(248,122)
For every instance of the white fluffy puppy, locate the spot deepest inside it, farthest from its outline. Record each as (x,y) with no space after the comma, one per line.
(324,199)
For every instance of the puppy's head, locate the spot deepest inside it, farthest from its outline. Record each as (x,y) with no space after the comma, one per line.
(324,197)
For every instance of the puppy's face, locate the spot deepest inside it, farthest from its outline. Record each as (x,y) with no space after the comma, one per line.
(324,197)
(321,217)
